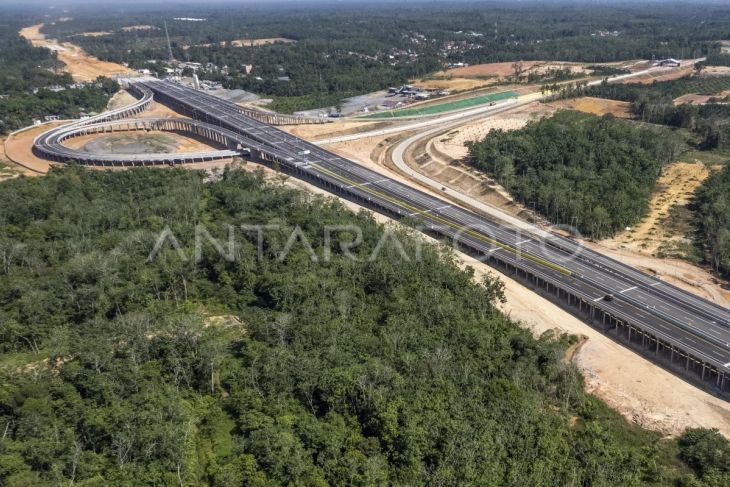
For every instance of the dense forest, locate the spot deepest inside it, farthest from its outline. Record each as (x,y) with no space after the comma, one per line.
(26,76)
(341,50)
(122,367)
(712,207)
(595,173)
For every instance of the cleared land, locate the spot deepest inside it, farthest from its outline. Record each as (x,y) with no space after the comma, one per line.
(596,106)
(693,98)
(248,42)
(93,34)
(675,188)
(130,28)
(260,42)
(453,83)
(485,70)
(19,149)
(6,170)
(137,143)
(664,74)
(79,64)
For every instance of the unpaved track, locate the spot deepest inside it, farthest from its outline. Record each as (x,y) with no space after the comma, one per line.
(81,66)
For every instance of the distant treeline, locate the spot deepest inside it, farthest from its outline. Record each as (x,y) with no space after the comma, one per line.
(348,49)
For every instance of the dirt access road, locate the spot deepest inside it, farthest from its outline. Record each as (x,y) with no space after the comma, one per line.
(80,65)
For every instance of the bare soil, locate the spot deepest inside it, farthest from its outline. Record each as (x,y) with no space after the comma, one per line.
(335,129)
(260,42)
(94,34)
(693,98)
(130,28)
(489,69)
(452,143)
(181,143)
(453,83)
(665,74)
(675,186)
(716,71)
(19,150)
(596,106)
(81,66)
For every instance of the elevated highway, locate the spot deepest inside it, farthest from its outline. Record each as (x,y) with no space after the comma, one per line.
(676,329)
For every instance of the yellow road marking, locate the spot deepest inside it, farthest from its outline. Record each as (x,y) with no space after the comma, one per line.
(468,231)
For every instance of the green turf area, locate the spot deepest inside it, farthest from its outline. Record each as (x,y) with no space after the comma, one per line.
(445,107)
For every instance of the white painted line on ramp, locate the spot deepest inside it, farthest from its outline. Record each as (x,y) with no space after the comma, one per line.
(367,184)
(429,210)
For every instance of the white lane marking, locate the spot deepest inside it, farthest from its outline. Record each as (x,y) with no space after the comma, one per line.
(727,365)
(430,210)
(366,184)
(628,289)
(524,242)
(655,284)
(494,250)
(598,298)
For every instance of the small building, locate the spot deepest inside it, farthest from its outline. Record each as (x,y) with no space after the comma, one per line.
(669,62)
(51,118)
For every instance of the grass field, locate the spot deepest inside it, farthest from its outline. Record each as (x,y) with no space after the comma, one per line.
(445,107)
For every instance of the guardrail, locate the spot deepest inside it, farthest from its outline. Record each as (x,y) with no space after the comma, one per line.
(50,145)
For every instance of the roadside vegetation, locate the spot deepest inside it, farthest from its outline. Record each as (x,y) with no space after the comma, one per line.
(712,209)
(595,173)
(121,369)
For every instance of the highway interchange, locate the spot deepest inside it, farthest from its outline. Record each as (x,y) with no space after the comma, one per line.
(669,313)
(603,286)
